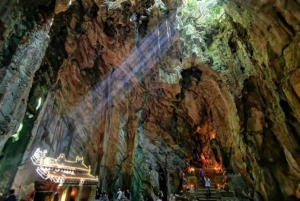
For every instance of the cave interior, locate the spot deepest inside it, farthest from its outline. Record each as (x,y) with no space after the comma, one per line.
(147,91)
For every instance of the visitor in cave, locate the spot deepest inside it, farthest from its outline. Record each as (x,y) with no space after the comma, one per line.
(295,196)
(207,185)
(128,195)
(172,197)
(11,196)
(101,196)
(161,195)
(98,194)
(119,194)
(106,198)
(202,175)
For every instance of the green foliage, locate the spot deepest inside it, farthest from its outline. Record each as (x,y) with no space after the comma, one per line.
(210,12)
(195,19)
(192,5)
(204,12)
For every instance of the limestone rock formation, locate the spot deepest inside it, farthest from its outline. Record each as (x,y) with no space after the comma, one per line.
(133,85)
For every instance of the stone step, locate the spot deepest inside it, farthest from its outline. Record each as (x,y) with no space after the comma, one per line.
(200,183)
(204,190)
(204,195)
(206,198)
(211,182)
(202,186)
(212,189)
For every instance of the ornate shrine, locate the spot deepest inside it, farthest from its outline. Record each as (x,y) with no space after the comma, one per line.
(72,177)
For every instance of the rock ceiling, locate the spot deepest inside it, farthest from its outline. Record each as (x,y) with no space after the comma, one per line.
(130,84)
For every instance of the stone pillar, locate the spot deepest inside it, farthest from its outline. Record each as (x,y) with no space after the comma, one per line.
(60,193)
(93,193)
(65,191)
(79,194)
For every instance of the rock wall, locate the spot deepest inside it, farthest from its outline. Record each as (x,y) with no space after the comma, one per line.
(262,46)
(139,81)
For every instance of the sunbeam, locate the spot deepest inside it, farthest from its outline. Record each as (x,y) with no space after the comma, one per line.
(135,67)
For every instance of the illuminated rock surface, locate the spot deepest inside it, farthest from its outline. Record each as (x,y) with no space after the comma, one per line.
(133,112)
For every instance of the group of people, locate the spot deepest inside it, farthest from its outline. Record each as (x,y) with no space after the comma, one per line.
(160,196)
(206,181)
(124,196)
(121,196)
(103,197)
(11,195)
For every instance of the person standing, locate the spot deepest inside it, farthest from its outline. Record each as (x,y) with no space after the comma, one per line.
(11,196)
(202,175)
(296,196)
(119,194)
(172,197)
(128,195)
(105,198)
(207,185)
(161,195)
(97,196)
